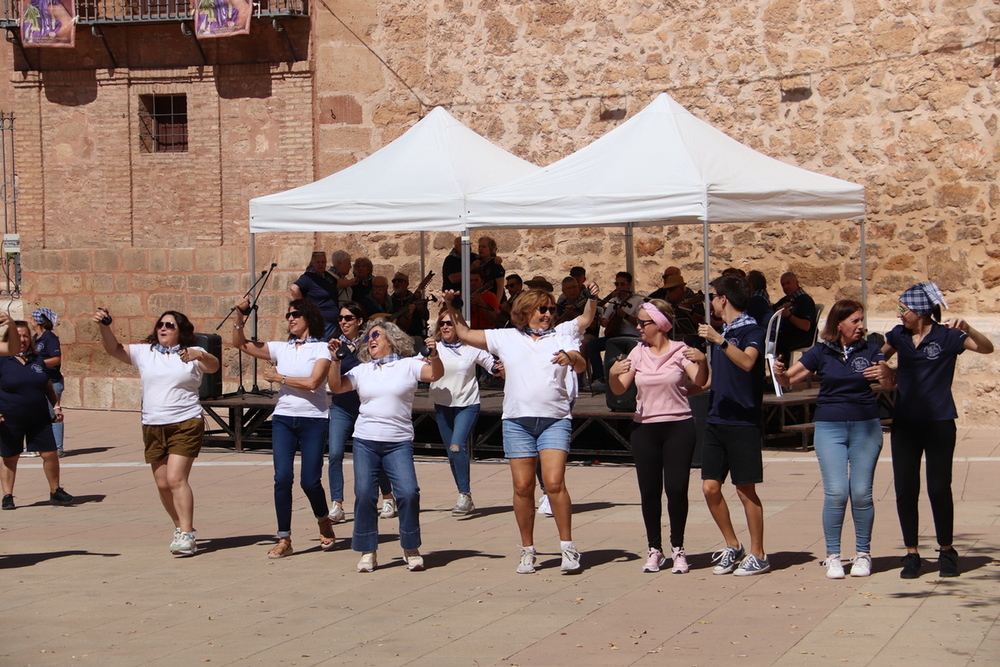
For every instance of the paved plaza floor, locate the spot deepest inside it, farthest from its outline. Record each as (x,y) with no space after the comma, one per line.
(94,584)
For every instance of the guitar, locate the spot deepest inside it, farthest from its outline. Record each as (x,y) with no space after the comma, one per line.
(410,300)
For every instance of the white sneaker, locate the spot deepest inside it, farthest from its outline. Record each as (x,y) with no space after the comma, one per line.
(336,512)
(388,508)
(184,544)
(527,563)
(861,565)
(544,507)
(834,567)
(28,454)
(414,561)
(368,562)
(463,506)
(570,560)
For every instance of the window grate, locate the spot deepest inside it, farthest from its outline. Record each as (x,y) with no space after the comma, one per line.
(163,123)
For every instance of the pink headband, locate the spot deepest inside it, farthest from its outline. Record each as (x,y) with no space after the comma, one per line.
(661,320)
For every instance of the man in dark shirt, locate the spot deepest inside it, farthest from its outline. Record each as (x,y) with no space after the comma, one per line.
(316,286)
(378,302)
(413,320)
(451,269)
(798,318)
(733,440)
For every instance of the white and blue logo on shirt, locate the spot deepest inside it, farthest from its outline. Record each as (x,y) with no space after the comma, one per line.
(859,364)
(37,368)
(932,350)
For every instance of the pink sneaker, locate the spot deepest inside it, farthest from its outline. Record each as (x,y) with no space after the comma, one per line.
(654,561)
(680,565)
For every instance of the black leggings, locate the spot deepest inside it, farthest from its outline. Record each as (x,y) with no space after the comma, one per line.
(662,452)
(910,441)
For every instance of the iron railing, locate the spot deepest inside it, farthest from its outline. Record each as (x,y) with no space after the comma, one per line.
(108,12)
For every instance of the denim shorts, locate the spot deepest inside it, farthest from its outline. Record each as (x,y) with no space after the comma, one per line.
(524,437)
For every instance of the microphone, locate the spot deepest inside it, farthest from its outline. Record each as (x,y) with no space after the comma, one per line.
(424,351)
(341,353)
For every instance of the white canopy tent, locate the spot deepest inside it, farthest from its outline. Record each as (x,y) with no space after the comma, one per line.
(665,166)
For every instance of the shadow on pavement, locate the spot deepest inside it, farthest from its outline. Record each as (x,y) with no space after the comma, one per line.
(235,542)
(9,561)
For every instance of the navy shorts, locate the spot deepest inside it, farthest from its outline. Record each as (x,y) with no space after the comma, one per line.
(734,451)
(36,432)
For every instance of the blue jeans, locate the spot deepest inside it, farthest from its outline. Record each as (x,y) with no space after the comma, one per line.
(847,453)
(524,437)
(341,426)
(309,436)
(57,427)
(396,459)
(455,425)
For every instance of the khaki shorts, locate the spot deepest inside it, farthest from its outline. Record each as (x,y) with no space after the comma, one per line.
(183,438)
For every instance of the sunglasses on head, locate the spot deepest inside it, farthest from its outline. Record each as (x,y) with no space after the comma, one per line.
(166,325)
(547,309)
(346,318)
(293,314)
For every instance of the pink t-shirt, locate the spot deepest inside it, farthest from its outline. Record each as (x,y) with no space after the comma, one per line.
(660,382)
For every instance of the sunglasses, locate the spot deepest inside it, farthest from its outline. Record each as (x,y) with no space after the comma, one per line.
(166,325)
(711,296)
(446,323)
(547,309)
(346,318)
(903,310)
(374,335)
(618,284)
(398,280)
(293,314)
(642,323)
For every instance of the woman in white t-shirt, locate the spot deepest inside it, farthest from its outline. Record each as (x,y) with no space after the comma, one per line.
(301,417)
(173,429)
(663,434)
(383,433)
(537,411)
(456,403)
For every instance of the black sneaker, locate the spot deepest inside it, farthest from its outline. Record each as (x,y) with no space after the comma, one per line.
(948,562)
(8,502)
(911,566)
(60,497)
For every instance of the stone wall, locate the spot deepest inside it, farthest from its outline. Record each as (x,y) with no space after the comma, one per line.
(900,96)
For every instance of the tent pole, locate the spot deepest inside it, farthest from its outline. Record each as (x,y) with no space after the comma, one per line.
(706,278)
(423,263)
(864,271)
(466,267)
(629,250)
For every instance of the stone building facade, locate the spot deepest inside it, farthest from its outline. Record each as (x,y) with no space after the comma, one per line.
(900,96)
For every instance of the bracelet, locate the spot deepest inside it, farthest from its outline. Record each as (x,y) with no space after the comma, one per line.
(57,407)
(283,379)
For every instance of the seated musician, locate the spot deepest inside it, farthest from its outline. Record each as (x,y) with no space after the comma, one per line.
(412,320)
(618,319)
(378,302)
(485,305)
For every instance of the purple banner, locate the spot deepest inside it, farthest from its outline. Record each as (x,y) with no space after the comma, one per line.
(222,18)
(48,23)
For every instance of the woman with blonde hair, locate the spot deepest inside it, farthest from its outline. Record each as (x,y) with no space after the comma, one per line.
(383,434)
(537,412)
(848,436)
(663,432)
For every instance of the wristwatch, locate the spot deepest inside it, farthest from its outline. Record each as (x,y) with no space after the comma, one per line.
(724,344)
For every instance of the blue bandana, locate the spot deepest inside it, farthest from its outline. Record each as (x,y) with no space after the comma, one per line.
(452,346)
(167,350)
(741,320)
(347,341)
(922,298)
(537,332)
(388,359)
(310,339)
(38,314)
(843,351)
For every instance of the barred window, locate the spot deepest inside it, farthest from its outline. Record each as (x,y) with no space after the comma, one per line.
(163,123)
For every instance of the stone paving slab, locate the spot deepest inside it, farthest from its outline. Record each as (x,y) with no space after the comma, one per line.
(94,584)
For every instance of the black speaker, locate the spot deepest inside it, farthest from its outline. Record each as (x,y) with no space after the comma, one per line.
(615,347)
(211,383)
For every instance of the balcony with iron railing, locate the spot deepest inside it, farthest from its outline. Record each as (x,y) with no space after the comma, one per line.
(111,12)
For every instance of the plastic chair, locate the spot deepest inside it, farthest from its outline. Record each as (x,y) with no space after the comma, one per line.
(770,344)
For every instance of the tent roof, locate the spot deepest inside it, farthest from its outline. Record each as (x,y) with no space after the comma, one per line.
(416,183)
(664,165)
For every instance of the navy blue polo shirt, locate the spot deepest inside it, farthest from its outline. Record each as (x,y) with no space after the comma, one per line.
(736,394)
(845,395)
(322,291)
(22,389)
(925,372)
(46,347)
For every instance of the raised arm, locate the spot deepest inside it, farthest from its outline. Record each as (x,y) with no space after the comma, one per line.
(744,359)
(109,340)
(254,348)
(12,342)
(976,341)
(435,369)
(473,337)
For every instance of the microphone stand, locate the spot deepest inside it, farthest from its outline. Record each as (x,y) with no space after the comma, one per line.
(262,281)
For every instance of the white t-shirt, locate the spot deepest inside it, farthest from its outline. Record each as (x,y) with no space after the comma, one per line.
(535,387)
(386,393)
(169,385)
(298,361)
(458,386)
